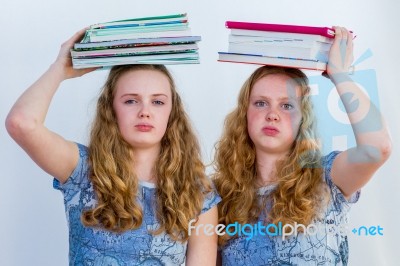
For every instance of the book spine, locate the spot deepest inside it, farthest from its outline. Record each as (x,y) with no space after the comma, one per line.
(280,36)
(137,42)
(277,61)
(137,35)
(279,51)
(323,31)
(130,25)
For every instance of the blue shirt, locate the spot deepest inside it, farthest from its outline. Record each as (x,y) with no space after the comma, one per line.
(325,245)
(96,246)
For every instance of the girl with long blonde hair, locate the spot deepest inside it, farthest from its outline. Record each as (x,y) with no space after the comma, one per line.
(131,194)
(283,202)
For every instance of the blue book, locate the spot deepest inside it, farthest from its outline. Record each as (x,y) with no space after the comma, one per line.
(137,42)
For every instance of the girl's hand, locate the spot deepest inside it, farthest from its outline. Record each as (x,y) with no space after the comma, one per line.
(340,55)
(64,60)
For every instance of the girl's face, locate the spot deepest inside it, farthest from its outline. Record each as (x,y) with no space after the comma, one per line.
(274,113)
(142,104)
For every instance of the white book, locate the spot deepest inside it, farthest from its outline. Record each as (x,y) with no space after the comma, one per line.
(274,61)
(273,41)
(308,53)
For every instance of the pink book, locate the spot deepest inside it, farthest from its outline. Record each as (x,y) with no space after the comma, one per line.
(323,31)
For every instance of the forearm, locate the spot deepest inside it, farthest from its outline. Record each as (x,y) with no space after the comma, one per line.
(31,108)
(370,130)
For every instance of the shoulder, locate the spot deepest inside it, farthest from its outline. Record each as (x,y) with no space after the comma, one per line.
(337,195)
(79,176)
(211,198)
(327,160)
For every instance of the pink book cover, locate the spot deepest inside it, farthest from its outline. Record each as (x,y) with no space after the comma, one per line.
(323,31)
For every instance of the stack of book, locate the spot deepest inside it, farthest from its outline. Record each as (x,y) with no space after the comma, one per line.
(275,44)
(150,40)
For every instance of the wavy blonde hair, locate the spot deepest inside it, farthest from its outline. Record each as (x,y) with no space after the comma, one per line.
(181,180)
(299,176)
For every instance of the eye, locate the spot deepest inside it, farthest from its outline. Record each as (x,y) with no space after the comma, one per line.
(158,102)
(287,106)
(130,101)
(260,103)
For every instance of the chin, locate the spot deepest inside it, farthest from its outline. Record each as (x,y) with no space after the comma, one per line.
(144,144)
(270,148)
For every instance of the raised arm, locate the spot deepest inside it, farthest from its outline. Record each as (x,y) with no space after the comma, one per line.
(354,167)
(25,121)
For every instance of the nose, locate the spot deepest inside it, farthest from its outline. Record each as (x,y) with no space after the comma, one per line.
(144,112)
(143,115)
(272,116)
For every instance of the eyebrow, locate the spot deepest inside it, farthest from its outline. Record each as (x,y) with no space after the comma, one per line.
(280,99)
(136,95)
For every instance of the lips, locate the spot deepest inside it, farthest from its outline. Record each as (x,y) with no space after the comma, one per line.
(270,131)
(144,127)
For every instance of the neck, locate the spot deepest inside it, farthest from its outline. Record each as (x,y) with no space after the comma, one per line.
(266,167)
(145,160)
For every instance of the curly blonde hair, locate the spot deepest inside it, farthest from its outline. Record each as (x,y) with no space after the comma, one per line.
(181,180)
(299,175)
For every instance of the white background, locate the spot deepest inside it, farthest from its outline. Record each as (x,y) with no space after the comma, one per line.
(33,228)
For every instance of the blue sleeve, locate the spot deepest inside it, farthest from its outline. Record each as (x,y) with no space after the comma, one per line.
(211,199)
(337,195)
(78,178)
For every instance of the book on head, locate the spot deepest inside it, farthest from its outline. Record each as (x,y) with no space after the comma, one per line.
(280,36)
(137,42)
(163,39)
(111,34)
(275,61)
(317,51)
(170,58)
(322,31)
(170,48)
(144,21)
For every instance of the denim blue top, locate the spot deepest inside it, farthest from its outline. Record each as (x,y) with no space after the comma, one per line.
(95,246)
(325,245)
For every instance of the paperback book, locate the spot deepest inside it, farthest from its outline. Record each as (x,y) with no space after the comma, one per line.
(161,39)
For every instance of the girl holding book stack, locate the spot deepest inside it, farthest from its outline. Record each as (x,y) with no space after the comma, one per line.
(270,172)
(130,195)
